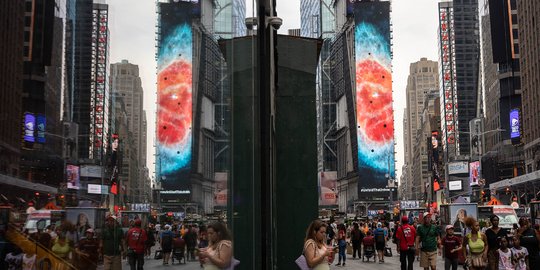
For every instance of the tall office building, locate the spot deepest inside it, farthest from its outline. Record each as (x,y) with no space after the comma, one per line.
(310,18)
(127,89)
(528,13)
(87,100)
(459,56)
(502,153)
(421,83)
(229,16)
(11,82)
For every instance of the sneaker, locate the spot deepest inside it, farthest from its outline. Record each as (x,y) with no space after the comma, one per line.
(343,264)
(338,264)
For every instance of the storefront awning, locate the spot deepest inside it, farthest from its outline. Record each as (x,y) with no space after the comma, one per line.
(12,181)
(532,178)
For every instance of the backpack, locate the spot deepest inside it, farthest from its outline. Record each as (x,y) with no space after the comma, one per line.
(379,236)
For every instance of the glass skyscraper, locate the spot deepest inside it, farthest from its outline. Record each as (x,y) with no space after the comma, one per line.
(310,18)
(229,18)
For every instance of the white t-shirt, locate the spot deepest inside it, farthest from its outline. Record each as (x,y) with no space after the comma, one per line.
(29,263)
(519,255)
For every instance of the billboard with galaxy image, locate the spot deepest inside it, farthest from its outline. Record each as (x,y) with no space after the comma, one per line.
(374,113)
(174,95)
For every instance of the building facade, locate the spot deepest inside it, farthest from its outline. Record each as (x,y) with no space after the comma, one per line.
(422,82)
(11,82)
(459,56)
(310,18)
(528,13)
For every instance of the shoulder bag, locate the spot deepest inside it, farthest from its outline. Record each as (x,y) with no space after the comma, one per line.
(234,262)
(301,261)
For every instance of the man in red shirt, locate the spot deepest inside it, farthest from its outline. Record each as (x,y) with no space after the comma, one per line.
(451,244)
(136,237)
(405,237)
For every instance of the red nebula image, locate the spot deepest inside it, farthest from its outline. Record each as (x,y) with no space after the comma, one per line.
(175,103)
(374,101)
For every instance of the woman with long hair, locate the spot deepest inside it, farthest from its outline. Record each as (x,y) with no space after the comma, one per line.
(530,240)
(82,225)
(218,254)
(315,249)
(477,245)
(494,234)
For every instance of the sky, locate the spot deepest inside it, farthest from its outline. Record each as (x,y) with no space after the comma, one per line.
(132,29)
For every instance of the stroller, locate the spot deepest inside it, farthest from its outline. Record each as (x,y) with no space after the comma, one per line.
(369,248)
(178,253)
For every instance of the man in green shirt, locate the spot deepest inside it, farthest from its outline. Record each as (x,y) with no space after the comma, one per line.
(112,245)
(427,242)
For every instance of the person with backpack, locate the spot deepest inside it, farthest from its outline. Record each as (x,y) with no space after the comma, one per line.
(356,238)
(136,238)
(166,244)
(381,236)
(405,236)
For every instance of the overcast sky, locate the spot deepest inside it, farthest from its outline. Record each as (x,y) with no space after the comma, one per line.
(132,25)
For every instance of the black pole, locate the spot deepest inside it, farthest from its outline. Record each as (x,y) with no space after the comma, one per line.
(265,32)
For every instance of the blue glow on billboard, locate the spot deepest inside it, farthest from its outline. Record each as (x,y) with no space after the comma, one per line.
(41,124)
(29,127)
(514,124)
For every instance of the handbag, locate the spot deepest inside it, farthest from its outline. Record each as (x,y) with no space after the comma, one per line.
(233,264)
(302,263)
(387,252)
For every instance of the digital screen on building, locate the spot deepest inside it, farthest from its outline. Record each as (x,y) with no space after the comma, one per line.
(514,124)
(474,173)
(374,113)
(41,124)
(29,127)
(174,94)
(448,79)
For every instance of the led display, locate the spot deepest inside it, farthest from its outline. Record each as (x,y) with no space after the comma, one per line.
(174,93)
(41,123)
(514,124)
(374,113)
(29,127)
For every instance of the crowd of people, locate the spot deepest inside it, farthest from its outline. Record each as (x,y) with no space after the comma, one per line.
(491,248)
(83,248)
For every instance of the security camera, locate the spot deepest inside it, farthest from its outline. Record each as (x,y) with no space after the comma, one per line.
(275,22)
(250,22)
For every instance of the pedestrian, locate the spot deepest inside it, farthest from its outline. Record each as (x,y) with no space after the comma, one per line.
(380,241)
(530,240)
(112,245)
(315,250)
(135,241)
(342,244)
(405,243)
(356,239)
(451,247)
(493,234)
(191,242)
(29,261)
(428,236)
(150,241)
(166,243)
(504,255)
(14,259)
(520,255)
(219,253)
(61,247)
(476,243)
(87,251)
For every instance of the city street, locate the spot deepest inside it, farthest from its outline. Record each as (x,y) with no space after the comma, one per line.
(390,264)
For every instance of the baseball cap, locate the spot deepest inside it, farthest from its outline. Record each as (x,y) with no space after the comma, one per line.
(138,222)
(427,215)
(448,227)
(90,230)
(113,217)
(404,219)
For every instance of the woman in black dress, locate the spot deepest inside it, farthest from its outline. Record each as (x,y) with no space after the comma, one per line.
(530,240)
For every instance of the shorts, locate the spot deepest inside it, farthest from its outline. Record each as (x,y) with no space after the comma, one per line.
(380,246)
(428,258)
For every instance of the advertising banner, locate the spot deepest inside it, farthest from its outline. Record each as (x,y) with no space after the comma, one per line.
(514,124)
(91,171)
(41,123)
(29,127)
(455,185)
(474,175)
(328,188)
(175,95)
(374,113)
(220,191)
(84,219)
(461,167)
(409,204)
(458,213)
(72,175)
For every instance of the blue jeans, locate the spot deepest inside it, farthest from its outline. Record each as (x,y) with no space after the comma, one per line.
(342,247)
